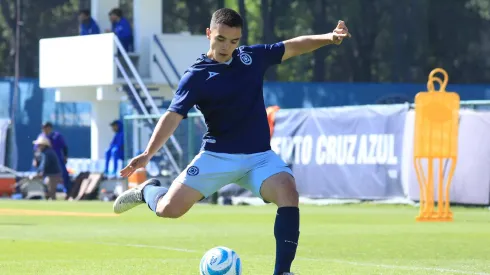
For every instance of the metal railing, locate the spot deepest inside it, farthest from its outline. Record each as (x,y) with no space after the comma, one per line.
(188,124)
(5,169)
(145,90)
(156,111)
(468,103)
(160,67)
(166,55)
(172,66)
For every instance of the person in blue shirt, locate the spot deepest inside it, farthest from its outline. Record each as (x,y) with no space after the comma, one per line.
(115,151)
(88,25)
(59,146)
(122,29)
(226,84)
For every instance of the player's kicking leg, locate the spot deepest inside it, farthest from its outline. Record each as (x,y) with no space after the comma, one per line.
(133,197)
(168,203)
(205,175)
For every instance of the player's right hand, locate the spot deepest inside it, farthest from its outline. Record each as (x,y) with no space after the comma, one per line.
(137,162)
(340,32)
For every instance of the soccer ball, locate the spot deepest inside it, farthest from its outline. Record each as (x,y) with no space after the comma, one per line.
(220,261)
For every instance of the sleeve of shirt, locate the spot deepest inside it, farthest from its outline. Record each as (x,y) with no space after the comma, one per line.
(124,29)
(271,54)
(60,140)
(62,144)
(42,163)
(186,96)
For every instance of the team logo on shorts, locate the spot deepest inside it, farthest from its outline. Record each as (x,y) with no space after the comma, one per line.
(192,171)
(246,58)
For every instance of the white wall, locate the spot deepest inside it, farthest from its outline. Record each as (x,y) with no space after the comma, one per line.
(100,12)
(77,61)
(183,49)
(101,134)
(147,17)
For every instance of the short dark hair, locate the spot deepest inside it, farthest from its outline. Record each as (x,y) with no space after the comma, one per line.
(85,12)
(47,124)
(228,17)
(117,12)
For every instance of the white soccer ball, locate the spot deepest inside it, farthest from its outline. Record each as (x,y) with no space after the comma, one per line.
(220,261)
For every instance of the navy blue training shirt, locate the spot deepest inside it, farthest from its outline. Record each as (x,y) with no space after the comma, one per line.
(230,97)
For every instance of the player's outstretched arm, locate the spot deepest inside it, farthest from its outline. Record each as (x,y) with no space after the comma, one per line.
(308,43)
(164,129)
(186,96)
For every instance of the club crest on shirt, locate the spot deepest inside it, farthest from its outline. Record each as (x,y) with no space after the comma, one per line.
(245,58)
(193,171)
(209,140)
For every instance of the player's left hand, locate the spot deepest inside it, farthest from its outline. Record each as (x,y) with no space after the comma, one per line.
(340,32)
(137,162)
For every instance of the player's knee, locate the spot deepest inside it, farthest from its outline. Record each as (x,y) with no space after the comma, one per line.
(287,195)
(169,210)
(281,190)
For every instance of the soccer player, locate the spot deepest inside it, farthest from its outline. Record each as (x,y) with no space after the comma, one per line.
(226,85)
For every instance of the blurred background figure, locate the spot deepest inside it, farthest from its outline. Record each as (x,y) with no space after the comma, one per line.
(115,152)
(58,145)
(87,23)
(48,168)
(122,29)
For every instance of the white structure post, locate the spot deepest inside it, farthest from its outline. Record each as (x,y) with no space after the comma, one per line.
(101,134)
(147,17)
(100,12)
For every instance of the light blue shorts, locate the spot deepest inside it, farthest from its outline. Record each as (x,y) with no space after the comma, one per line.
(208,172)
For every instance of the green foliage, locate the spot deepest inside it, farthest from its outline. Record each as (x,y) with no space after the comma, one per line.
(392,41)
(41,19)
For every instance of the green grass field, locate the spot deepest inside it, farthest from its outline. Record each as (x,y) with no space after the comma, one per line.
(354,239)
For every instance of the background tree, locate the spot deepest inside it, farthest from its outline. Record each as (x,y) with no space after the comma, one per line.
(392,41)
